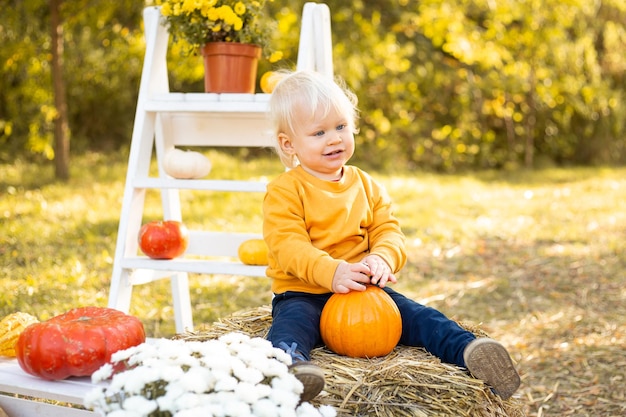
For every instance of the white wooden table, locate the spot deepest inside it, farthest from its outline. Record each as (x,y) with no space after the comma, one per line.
(24,395)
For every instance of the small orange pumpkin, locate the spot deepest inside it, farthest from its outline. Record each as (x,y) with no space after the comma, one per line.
(361,324)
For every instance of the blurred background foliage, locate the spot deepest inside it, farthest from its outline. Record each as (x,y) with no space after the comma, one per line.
(444,85)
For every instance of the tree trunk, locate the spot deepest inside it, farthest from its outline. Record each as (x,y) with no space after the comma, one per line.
(61,126)
(531,122)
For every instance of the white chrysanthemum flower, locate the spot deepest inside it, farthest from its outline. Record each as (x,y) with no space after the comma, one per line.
(227,383)
(212,348)
(189,400)
(170,372)
(308,410)
(221,364)
(118,381)
(265,408)
(237,408)
(102,374)
(282,356)
(167,402)
(236,347)
(285,398)
(246,374)
(235,375)
(189,360)
(258,343)
(247,392)
(223,397)
(250,356)
(286,412)
(93,397)
(263,391)
(234,337)
(215,410)
(287,382)
(327,411)
(172,350)
(196,412)
(139,377)
(197,380)
(174,390)
(122,355)
(271,368)
(139,404)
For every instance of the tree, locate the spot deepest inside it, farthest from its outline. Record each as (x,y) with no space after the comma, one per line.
(443,85)
(61,128)
(102,57)
(463,84)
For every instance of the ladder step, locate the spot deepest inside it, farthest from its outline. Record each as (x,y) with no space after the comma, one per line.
(200,184)
(207,102)
(200,266)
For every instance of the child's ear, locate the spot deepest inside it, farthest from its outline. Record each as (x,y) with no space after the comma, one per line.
(285,144)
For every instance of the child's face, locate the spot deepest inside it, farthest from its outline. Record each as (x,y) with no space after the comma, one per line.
(323,144)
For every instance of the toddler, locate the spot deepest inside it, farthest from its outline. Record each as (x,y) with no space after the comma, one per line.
(330,228)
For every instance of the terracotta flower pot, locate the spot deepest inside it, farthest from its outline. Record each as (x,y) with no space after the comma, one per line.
(230,67)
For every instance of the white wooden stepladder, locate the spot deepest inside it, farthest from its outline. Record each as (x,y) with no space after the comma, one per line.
(164,120)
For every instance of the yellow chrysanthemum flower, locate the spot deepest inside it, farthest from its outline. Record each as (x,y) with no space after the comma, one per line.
(275,57)
(188,6)
(240,8)
(212,14)
(228,16)
(202,21)
(225,12)
(166,9)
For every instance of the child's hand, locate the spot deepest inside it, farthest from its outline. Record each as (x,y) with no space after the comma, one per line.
(379,271)
(350,277)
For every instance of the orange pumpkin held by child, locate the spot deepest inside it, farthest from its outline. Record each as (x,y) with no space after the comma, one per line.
(361,324)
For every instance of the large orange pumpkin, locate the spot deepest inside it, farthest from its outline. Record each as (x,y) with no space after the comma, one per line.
(76,343)
(361,324)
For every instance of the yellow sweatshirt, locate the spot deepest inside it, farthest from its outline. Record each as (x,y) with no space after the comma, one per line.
(311,225)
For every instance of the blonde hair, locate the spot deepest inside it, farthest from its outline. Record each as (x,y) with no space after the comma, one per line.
(307,91)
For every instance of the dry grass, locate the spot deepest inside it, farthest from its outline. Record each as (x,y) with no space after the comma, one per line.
(538,259)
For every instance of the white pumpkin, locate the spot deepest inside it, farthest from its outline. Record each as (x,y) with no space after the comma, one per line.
(186,164)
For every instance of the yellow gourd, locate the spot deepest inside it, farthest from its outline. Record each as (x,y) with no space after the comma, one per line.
(11,327)
(253,252)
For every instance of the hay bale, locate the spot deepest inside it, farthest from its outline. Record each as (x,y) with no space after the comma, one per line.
(407,382)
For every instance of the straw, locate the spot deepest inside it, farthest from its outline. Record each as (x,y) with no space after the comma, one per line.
(407,382)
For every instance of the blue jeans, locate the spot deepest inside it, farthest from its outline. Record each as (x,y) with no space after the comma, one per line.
(296,319)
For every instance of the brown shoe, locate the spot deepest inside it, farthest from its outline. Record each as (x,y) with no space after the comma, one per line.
(311,376)
(488,360)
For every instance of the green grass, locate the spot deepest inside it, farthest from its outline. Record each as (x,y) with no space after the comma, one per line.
(537,258)
(58,240)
